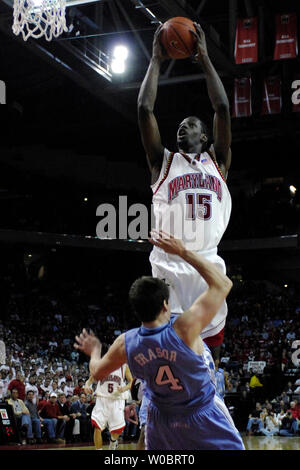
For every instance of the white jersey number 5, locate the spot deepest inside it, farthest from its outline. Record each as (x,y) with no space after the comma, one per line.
(165,371)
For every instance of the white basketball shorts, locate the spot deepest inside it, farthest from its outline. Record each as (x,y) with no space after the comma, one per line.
(109,413)
(186,284)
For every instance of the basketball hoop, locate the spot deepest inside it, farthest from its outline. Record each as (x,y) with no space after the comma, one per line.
(37,18)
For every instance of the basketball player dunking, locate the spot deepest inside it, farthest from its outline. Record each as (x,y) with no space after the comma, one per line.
(190,184)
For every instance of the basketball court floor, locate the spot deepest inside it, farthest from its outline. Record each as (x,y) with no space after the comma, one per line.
(250,442)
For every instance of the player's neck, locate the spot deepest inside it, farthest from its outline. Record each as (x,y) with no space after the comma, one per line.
(191,149)
(162,319)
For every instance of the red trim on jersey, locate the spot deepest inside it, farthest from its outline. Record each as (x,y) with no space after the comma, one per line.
(170,159)
(95,425)
(216,165)
(117,431)
(216,340)
(189,159)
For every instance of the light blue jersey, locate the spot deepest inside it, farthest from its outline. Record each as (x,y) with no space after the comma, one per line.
(176,377)
(184,412)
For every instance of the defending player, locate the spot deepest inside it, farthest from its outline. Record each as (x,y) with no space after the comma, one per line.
(167,352)
(110,403)
(189,185)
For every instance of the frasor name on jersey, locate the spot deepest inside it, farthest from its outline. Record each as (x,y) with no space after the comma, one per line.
(141,359)
(194,181)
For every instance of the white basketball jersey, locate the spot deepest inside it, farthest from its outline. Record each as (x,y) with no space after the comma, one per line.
(108,387)
(191,200)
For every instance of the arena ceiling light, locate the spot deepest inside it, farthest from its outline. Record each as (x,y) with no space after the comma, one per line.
(120,55)
(293,189)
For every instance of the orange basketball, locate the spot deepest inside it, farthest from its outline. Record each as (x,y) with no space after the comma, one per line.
(177,38)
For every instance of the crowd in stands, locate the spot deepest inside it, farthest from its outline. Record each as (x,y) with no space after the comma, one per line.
(43,376)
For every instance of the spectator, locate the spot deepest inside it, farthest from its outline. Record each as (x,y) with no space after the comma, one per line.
(288,425)
(289,389)
(46,387)
(80,387)
(69,389)
(18,383)
(43,401)
(255,424)
(35,423)
(279,406)
(280,415)
(54,387)
(285,398)
(295,410)
(51,414)
(255,382)
(21,413)
(68,417)
(271,424)
(78,408)
(31,385)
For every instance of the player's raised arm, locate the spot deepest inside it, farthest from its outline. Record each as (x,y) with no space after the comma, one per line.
(146,100)
(112,360)
(219,101)
(190,324)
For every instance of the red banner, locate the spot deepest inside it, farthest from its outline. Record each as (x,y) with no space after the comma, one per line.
(242,106)
(286,44)
(272,95)
(246,41)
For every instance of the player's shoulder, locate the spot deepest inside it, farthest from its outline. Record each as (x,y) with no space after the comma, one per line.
(220,166)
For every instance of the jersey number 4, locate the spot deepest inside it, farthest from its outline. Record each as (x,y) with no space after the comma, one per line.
(165,376)
(198,206)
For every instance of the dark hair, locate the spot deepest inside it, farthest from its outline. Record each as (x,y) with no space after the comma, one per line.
(206,131)
(146,296)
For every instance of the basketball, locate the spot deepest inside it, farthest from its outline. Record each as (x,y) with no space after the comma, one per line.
(177,38)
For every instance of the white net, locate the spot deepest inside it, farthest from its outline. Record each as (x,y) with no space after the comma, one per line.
(37,18)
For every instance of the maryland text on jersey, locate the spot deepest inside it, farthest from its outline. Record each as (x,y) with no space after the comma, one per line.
(112,378)
(194,181)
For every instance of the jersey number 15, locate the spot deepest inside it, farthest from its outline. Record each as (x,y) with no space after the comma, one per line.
(198,206)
